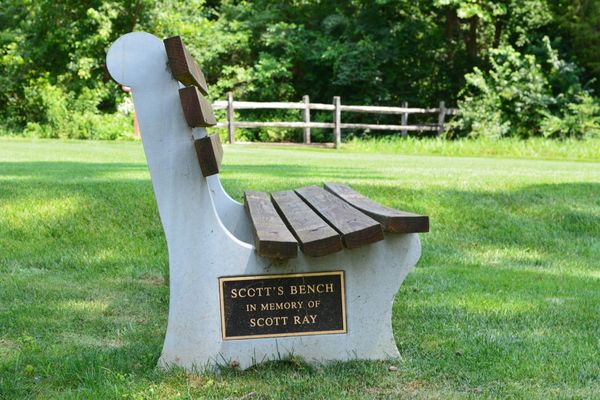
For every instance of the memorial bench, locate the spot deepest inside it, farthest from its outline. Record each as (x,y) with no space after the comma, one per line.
(226,303)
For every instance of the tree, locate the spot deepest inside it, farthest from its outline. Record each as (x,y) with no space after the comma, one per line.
(579,21)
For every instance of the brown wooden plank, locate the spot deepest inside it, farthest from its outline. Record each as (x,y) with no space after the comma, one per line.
(183,66)
(392,220)
(271,237)
(356,228)
(197,110)
(315,237)
(210,154)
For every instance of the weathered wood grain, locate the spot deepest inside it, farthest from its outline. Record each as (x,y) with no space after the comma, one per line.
(230,119)
(337,120)
(270,124)
(315,236)
(381,127)
(356,228)
(404,120)
(183,66)
(337,124)
(306,115)
(389,110)
(196,109)
(271,237)
(441,117)
(257,105)
(210,154)
(392,220)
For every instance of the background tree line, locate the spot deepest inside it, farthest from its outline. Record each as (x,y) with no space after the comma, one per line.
(515,67)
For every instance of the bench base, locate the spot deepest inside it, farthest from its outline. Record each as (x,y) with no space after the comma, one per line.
(373,275)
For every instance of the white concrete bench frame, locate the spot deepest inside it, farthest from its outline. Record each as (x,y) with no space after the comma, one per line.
(208,236)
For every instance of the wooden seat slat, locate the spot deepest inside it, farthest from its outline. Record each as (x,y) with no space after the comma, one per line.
(210,154)
(183,66)
(197,110)
(315,237)
(356,228)
(271,237)
(392,220)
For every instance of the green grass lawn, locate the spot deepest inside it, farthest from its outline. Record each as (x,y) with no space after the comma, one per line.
(505,302)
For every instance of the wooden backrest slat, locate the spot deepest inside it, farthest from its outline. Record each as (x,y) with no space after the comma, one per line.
(183,66)
(392,220)
(197,110)
(356,228)
(315,236)
(210,154)
(271,237)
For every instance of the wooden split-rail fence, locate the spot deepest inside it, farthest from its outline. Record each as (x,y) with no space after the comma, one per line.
(337,108)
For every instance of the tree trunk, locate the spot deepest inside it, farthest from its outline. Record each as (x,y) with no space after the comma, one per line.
(471,38)
(498,25)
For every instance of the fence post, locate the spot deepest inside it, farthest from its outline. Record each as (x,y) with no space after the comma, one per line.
(306,101)
(441,118)
(230,126)
(404,120)
(337,121)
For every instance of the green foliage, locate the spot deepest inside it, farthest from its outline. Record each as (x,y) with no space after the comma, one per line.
(486,24)
(523,95)
(382,52)
(62,116)
(85,126)
(578,22)
(579,119)
(52,65)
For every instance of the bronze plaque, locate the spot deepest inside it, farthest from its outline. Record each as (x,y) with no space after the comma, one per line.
(263,306)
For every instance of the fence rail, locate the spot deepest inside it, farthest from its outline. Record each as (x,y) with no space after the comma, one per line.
(336,125)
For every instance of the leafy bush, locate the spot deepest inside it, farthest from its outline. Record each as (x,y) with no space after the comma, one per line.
(578,120)
(59,115)
(525,95)
(85,126)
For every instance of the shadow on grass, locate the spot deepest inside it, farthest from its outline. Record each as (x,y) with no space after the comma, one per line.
(64,170)
(506,290)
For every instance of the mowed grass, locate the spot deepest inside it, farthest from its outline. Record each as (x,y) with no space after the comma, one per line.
(534,148)
(505,302)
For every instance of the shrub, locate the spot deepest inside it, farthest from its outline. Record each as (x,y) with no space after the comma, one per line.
(58,115)
(523,96)
(579,120)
